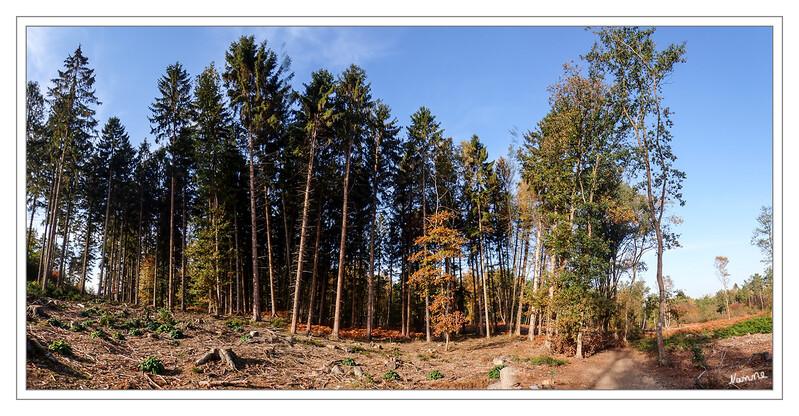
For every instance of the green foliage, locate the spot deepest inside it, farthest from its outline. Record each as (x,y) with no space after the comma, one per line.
(235,324)
(313,342)
(165,316)
(391,375)
(92,311)
(349,361)
(435,375)
(134,331)
(57,324)
(494,373)
(758,325)
(61,347)
(151,364)
(99,334)
(153,326)
(698,357)
(77,327)
(107,320)
(246,338)
(545,360)
(356,348)
(197,370)
(118,335)
(279,322)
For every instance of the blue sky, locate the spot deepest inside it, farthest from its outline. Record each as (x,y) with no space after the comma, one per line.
(490,81)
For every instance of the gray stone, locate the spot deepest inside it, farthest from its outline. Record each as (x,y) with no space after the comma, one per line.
(507,377)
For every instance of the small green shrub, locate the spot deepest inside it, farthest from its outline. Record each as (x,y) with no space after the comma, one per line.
(134,331)
(165,316)
(56,323)
(61,347)
(175,333)
(107,320)
(117,335)
(698,357)
(98,334)
(77,327)
(356,348)
(279,322)
(494,373)
(391,375)
(435,375)
(151,364)
(348,361)
(246,338)
(153,326)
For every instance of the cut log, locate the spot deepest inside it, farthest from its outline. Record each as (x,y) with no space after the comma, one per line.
(213,354)
(229,357)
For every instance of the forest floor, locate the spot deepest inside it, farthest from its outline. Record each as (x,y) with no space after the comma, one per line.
(274,359)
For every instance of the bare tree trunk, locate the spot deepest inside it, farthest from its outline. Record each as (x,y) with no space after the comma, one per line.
(522,284)
(340,280)
(315,268)
(303,228)
(256,284)
(183,256)
(482,270)
(85,255)
(171,283)
(273,311)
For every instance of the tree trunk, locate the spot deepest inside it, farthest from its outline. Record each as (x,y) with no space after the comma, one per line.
(482,269)
(171,282)
(256,284)
(315,268)
(300,252)
(340,279)
(183,255)
(272,308)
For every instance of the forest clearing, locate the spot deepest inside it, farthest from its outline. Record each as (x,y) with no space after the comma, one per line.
(261,206)
(106,355)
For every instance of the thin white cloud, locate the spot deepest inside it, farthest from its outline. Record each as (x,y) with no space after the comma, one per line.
(311,48)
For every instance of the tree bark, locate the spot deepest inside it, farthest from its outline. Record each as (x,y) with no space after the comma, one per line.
(340,279)
(303,228)
(256,284)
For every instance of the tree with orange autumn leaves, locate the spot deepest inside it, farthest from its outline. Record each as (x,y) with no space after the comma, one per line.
(438,247)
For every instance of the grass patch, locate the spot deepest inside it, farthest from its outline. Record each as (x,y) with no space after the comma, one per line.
(544,360)
(313,342)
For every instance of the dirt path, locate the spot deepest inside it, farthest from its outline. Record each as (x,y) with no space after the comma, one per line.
(619,369)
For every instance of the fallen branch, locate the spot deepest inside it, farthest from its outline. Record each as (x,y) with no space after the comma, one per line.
(224,383)
(152,382)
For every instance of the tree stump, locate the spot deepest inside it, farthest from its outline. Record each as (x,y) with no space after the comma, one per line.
(213,354)
(229,357)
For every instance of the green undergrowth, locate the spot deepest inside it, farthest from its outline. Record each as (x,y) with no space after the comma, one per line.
(541,360)
(757,325)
